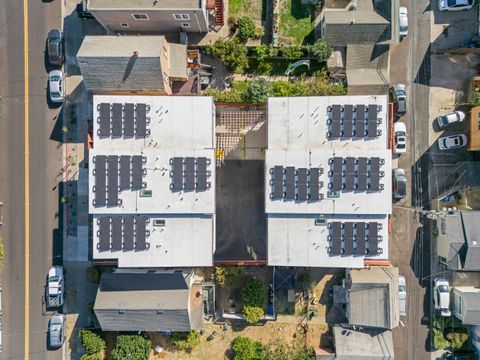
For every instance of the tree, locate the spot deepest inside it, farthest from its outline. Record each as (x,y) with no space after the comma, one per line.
(233,53)
(321,50)
(91,342)
(252,313)
(247,29)
(186,340)
(253,293)
(292,52)
(92,357)
(229,276)
(261,52)
(132,347)
(258,91)
(320,85)
(245,348)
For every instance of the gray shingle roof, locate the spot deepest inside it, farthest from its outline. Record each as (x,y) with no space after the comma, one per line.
(471,225)
(146,302)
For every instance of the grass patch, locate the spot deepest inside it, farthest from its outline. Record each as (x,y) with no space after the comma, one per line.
(252,8)
(296,21)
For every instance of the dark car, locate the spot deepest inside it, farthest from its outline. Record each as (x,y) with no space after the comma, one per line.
(399,92)
(55,47)
(399,184)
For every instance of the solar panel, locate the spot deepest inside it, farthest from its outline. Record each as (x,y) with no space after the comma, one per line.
(177,170)
(375,165)
(373,246)
(202,173)
(128,121)
(362,173)
(347,120)
(290,182)
(140,233)
(104,234)
(302,184)
(360,238)
(350,165)
(112,180)
(124,172)
(104,110)
(336,238)
(117,120)
(360,121)
(348,243)
(100,180)
(374,182)
(141,120)
(137,172)
(116,234)
(373,229)
(314,184)
(189,173)
(277,182)
(128,234)
(337,164)
(336,118)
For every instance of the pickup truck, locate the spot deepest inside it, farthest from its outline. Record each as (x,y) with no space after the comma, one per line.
(55,287)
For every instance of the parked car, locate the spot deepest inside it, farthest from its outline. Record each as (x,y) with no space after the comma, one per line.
(400,137)
(460,355)
(56,331)
(402,295)
(441,296)
(403,21)
(55,86)
(451,118)
(55,288)
(399,92)
(452,142)
(55,47)
(399,184)
(454,5)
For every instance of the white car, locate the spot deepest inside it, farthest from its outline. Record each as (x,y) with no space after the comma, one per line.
(400,137)
(55,288)
(402,295)
(455,5)
(55,86)
(403,21)
(56,331)
(441,296)
(454,117)
(452,142)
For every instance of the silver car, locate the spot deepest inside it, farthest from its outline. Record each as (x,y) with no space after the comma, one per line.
(56,331)
(454,117)
(452,142)
(55,86)
(399,184)
(403,21)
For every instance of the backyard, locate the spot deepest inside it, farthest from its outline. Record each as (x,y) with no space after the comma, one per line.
(296,22)
(256,9)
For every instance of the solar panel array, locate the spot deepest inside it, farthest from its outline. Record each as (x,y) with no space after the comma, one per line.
(123,120)
(123,233)
(114,174)
(299,184)
(356,174)
(190,174)
(354,238)
(353,121)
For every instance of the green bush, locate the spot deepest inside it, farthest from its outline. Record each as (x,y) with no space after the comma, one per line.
(92,357)
(458,340)
(232,96)
(247,29)
(131,347)
(258,91)
(261,52)
(245,348)
(230,276)
(321,50)
(292,52)
(253,293)
(186,341)
(91,342)
(233,53)
(476,98)
(252,313)
(93,275)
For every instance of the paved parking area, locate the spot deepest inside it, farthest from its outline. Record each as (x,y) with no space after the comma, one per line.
(240,213)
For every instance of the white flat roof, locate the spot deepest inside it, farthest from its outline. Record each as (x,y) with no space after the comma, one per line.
(300,123)
(183,241)
(176,122)
(349,202)
(295,240)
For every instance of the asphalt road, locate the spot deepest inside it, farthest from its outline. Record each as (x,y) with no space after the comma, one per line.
(45,164)
(409,248)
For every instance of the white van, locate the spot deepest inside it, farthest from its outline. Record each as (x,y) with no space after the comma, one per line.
(402,295)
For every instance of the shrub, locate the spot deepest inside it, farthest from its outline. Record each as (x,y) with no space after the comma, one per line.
(93,275)
(247,29)
(186,341)
(262,52)
(253,293)
(258,91)
(92,357)
(457,339)
(439,341)
(287,88)
(321,50)
(320,85)
(233,53)
(131,347)
(245,348)
(252,313)
(292,52)
(91,342)
(231,96)
(229,276)
(476,98)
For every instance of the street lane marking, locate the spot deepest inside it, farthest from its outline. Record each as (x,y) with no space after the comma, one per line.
(27,183)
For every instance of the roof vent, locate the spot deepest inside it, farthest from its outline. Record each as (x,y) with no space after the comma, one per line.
(135,53)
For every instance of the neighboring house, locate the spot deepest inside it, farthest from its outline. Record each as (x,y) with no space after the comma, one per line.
(138,300)
(458,241)
(135,65)
(362,32)
(466,304)
(152,181)
(372,297)
(327,187)
(371,344)
(151,16)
